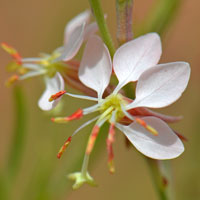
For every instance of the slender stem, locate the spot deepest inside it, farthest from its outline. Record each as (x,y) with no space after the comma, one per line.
(158,179)
(19,133)
(85,164)
(124,10)
(103,28)
(162,14)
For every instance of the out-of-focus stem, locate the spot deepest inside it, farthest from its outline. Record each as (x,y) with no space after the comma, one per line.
(159,181)
(19,132)
(161,15)
(103,28)
(124,10)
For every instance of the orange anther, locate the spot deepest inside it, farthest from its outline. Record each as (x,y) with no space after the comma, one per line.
(62,149)
(57,95)
(12,80)
(77,115)
(92,139)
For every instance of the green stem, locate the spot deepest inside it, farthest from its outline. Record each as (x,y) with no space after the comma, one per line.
(158,179)
(160,17)
(103,28)
(19,133)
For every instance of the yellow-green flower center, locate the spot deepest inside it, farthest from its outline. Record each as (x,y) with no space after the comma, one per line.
(113,103)
(49,65)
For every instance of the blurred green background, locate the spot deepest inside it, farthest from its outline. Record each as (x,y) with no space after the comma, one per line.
(37,26)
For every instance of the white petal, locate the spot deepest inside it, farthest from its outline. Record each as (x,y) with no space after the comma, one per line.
(79,20)
(70,49)
(136,56)
(166,145)
(90,30)
(96,67)
(161,85)
(53,85)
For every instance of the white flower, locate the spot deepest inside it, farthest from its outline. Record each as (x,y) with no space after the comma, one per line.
(76,31)
(158,85)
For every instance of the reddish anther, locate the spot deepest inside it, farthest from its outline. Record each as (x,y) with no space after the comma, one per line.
(77,115)
(13,52)
(92,139)
(12,80)
(62,149)
(57,95)
(109,143)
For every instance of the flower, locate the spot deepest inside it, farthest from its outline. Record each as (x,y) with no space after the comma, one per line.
(76,31)
(158,85)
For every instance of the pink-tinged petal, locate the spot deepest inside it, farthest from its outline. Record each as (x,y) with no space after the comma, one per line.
(166,145)
(161,85)
(79,20)
(96,66)
(144,112)
(136,56)
(90,30)
(70,49)
(53,85)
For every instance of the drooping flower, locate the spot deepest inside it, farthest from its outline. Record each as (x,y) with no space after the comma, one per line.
(52,65)
(158,85)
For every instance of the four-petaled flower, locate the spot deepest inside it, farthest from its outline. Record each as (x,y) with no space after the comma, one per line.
(76,31)
(158,85)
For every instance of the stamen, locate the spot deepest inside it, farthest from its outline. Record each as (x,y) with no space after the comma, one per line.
(12,80)
(62,149)
(77,115)
(84,125)
(146,126)
(140,121)
(109,143)
(57,95)
(91,109)
(92,139)
(82,97)
(13,52)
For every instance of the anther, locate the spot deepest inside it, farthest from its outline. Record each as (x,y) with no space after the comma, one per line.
(146,126)
(57,95)
(77,115)
(62,149)
(92,139)
(12,80)
(109,143)
(13,52)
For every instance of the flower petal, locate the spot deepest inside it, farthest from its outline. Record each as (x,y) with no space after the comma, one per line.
(161,85)
(70,49)
(53,85)
(89,30)
(96,66)
(79,20)
(166,145)
(136,56)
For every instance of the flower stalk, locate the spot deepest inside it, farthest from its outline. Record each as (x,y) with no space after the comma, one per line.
(103,28)
(124,10)
(17,145)
(159,181)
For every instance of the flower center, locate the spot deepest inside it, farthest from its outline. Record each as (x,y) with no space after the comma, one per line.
(49,65)
(113,103)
